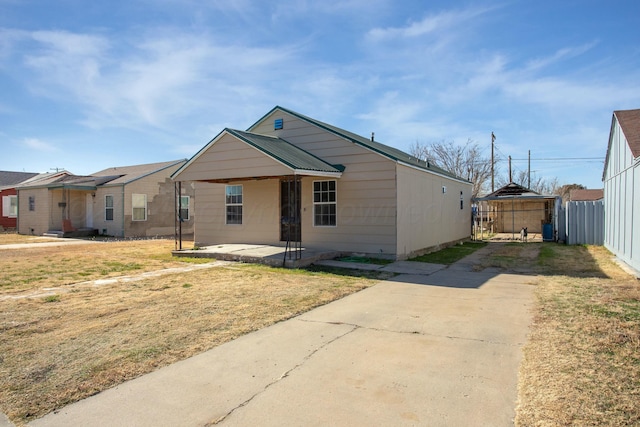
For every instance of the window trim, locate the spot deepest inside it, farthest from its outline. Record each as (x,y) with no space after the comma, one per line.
(227,204)
(133,207)
(188,208)
(335,203)
(112,207)
(8,202)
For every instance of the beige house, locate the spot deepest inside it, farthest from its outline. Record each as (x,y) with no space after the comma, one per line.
(293,179)
(130,201)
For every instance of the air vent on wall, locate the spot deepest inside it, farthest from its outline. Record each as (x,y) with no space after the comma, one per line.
(278,124)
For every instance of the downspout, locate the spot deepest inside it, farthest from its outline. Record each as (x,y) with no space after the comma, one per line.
(123,202)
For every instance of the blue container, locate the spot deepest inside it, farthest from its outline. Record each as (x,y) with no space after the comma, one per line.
(547,232)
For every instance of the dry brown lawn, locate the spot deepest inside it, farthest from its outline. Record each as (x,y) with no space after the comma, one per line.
(80,338)
(581,363)
(7,238)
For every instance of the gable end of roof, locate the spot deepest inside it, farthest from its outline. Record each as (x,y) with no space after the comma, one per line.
(377,147)
(629,121)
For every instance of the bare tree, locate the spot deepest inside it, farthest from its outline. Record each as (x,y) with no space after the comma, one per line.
(565,191)
(466,161)
(537,184)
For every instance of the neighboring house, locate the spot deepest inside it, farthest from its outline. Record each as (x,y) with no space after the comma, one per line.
(514,207)
(291,178)
(586,195)
(9,196)
(130,201)
(621,178)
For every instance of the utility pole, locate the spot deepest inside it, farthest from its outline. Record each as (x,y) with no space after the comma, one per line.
(529,172)
(510,176)
(493,138)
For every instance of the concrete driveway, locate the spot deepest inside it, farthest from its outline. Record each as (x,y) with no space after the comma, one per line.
(440,349)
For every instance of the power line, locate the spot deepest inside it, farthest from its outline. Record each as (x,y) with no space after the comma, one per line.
(563,159)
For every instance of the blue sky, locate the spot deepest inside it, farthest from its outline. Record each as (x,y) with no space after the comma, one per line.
(90,85)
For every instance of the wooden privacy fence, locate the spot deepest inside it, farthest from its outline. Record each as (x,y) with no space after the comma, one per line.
(584,223)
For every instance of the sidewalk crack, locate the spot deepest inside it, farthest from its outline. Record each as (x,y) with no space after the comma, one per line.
(284,375)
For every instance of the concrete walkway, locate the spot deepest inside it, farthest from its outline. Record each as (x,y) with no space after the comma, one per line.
(47,242)
(437,347)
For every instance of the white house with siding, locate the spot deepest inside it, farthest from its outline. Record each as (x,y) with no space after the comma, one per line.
(622,188)
(292,178)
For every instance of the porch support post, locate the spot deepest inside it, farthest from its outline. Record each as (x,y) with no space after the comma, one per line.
(177,203)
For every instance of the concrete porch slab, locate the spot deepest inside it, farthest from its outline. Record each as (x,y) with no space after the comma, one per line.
(275,256)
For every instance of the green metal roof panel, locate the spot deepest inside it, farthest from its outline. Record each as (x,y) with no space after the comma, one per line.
(285,152)
(385,150)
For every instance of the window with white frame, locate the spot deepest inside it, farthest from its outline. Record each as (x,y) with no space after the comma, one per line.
(139,207)
(108,207)
(324,203)
(184,208)
(233,203)
(10,206)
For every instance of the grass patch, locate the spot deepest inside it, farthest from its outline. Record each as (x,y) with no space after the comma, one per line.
(96,337)
(51,298)
(451,254)
(581,363)
(38,267)
(365,260)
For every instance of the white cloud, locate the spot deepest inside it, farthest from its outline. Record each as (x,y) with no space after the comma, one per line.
(152,79)
(39,145)
(430,24)
(560,55)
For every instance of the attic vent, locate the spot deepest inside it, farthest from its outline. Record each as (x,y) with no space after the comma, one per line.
(278,124)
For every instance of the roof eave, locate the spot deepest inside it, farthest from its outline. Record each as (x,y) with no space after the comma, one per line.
(464,181)
(327,174)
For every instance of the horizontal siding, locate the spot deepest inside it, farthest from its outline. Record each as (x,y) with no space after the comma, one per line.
(261,219)
(232,158)
(364,225)
(368,212)
(427,217)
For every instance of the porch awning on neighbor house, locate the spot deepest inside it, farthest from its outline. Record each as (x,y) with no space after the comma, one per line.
(290,159)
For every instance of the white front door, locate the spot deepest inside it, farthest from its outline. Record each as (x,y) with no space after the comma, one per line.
(89,212)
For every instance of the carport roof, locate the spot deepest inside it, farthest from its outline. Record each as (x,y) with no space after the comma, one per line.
(513,190)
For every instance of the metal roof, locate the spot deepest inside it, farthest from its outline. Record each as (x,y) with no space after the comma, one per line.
(514,191)
(286,153)
(385,150)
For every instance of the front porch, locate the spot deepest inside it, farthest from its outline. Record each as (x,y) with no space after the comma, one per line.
(275,256)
